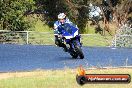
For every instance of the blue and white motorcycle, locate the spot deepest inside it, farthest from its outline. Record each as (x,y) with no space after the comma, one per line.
(70,35)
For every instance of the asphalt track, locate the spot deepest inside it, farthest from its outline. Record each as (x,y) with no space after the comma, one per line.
(32,57)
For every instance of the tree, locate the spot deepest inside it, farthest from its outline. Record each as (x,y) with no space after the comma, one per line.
(74,9)
(113,12)
(12,14)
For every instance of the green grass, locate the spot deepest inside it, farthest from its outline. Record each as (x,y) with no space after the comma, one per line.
(96,40)
(57,79)
(37,24)
(41,38)
(48,39)
(87,40)
(44,38)
(89,30)
(42,27)
(38,37)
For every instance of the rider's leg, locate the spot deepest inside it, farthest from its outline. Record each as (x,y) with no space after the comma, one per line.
(65,47)
(56,37)
(59,43)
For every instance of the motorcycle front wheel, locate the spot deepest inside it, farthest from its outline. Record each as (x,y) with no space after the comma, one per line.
(74,55)
(79,51)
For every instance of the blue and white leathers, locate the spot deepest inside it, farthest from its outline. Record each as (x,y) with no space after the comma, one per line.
(58,23)
(69,33)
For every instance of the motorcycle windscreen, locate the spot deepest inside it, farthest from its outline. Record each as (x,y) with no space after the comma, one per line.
(69,31)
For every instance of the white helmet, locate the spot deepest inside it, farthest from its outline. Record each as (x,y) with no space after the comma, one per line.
(61,16)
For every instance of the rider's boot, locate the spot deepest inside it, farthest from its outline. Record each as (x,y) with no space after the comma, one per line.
(65,48)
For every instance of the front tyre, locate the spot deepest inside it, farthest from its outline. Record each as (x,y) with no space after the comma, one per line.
(80,53)
(74,55)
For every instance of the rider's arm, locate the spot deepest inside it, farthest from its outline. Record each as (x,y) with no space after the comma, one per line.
(68,21)
(56,29)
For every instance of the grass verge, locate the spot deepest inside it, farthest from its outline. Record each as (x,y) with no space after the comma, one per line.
(57,79)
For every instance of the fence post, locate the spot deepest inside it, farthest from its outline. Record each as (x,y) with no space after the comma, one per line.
(27,37)
(126,62)
(115,40)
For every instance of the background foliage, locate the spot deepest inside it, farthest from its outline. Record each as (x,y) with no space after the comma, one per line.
(12,14)
(15,14)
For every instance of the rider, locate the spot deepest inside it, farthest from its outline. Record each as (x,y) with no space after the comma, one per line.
(62,19)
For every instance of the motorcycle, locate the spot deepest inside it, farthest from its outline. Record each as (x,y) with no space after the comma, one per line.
(69,34)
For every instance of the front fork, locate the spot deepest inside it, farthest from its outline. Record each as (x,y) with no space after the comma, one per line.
(76,43)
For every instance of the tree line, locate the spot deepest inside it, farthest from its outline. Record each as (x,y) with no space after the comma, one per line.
(13,12)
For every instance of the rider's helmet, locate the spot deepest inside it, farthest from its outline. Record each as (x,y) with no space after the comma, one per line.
(61,16)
